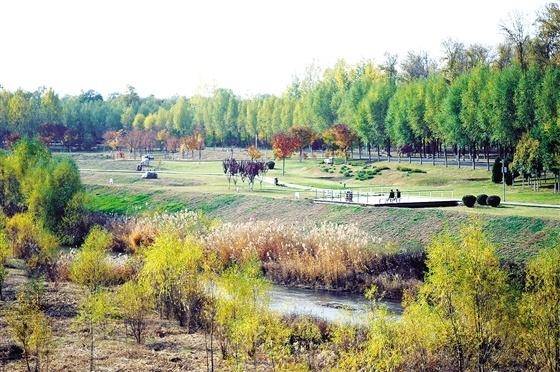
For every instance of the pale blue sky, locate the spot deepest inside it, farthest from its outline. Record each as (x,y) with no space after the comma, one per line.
(169,47)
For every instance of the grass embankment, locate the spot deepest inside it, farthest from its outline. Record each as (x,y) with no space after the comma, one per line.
(516,237)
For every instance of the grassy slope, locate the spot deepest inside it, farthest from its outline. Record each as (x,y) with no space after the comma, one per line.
(518,231)
(517,237)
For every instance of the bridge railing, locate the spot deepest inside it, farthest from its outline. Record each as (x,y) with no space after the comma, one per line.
(372,197)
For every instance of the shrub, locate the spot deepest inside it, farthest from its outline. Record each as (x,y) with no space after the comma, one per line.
(55,188)
(493,201)
(307,335)
(469,200)
(32,242)
(5,252)
(30,328)
(172,271)
(135,304)
(497,175)
(481,199)
(76,221)
(241,310)
(28,236)
(467,279)
(539,305)
(142,234)
(270,164)
(357,163)
(93,313)
(362,175)
(32,180)
(90,268)
(409,170)
(63,265)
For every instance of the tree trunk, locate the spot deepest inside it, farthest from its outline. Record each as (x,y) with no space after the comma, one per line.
(487,158)
(91,346)
(283,166)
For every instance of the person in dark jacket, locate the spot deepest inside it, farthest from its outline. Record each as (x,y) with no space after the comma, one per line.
(398,195)
(391,195)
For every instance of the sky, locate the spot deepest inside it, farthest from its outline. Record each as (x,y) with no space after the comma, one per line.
(169,48)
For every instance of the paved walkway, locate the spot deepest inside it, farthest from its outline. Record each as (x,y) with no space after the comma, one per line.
(532,205)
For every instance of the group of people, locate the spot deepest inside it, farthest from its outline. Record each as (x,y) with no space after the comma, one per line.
(394,196)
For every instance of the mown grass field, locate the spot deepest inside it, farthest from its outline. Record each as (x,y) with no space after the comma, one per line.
(179,178)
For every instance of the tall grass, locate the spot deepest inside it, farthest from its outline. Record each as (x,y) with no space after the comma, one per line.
(328,255)
(131,233)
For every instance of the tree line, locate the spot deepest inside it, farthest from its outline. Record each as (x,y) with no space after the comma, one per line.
(476,100)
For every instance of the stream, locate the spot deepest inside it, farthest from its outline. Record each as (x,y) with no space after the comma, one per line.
(337,307)
(330,306)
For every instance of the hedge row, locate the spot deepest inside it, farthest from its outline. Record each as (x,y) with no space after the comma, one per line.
(482,199)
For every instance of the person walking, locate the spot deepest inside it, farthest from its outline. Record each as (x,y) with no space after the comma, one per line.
(391,195)
(398,195)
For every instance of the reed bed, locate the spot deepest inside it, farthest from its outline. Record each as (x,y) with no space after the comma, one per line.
(328,255)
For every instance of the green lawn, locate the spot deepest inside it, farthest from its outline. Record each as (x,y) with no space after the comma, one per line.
(180,178)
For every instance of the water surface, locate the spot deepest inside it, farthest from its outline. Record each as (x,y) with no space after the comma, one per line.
(330,306)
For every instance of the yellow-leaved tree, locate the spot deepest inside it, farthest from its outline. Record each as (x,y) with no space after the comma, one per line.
(134,305)
(90,267)
(540,311)
(30,328)
(172,272)
(467,291)
(5,253)
(241,311)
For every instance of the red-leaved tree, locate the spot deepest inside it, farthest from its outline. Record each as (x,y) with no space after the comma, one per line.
(339,138)
(303,135)
(283,146)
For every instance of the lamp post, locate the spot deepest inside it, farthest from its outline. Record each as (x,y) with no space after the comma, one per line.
(504,171)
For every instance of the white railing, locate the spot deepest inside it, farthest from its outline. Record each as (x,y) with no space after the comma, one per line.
(372,197)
